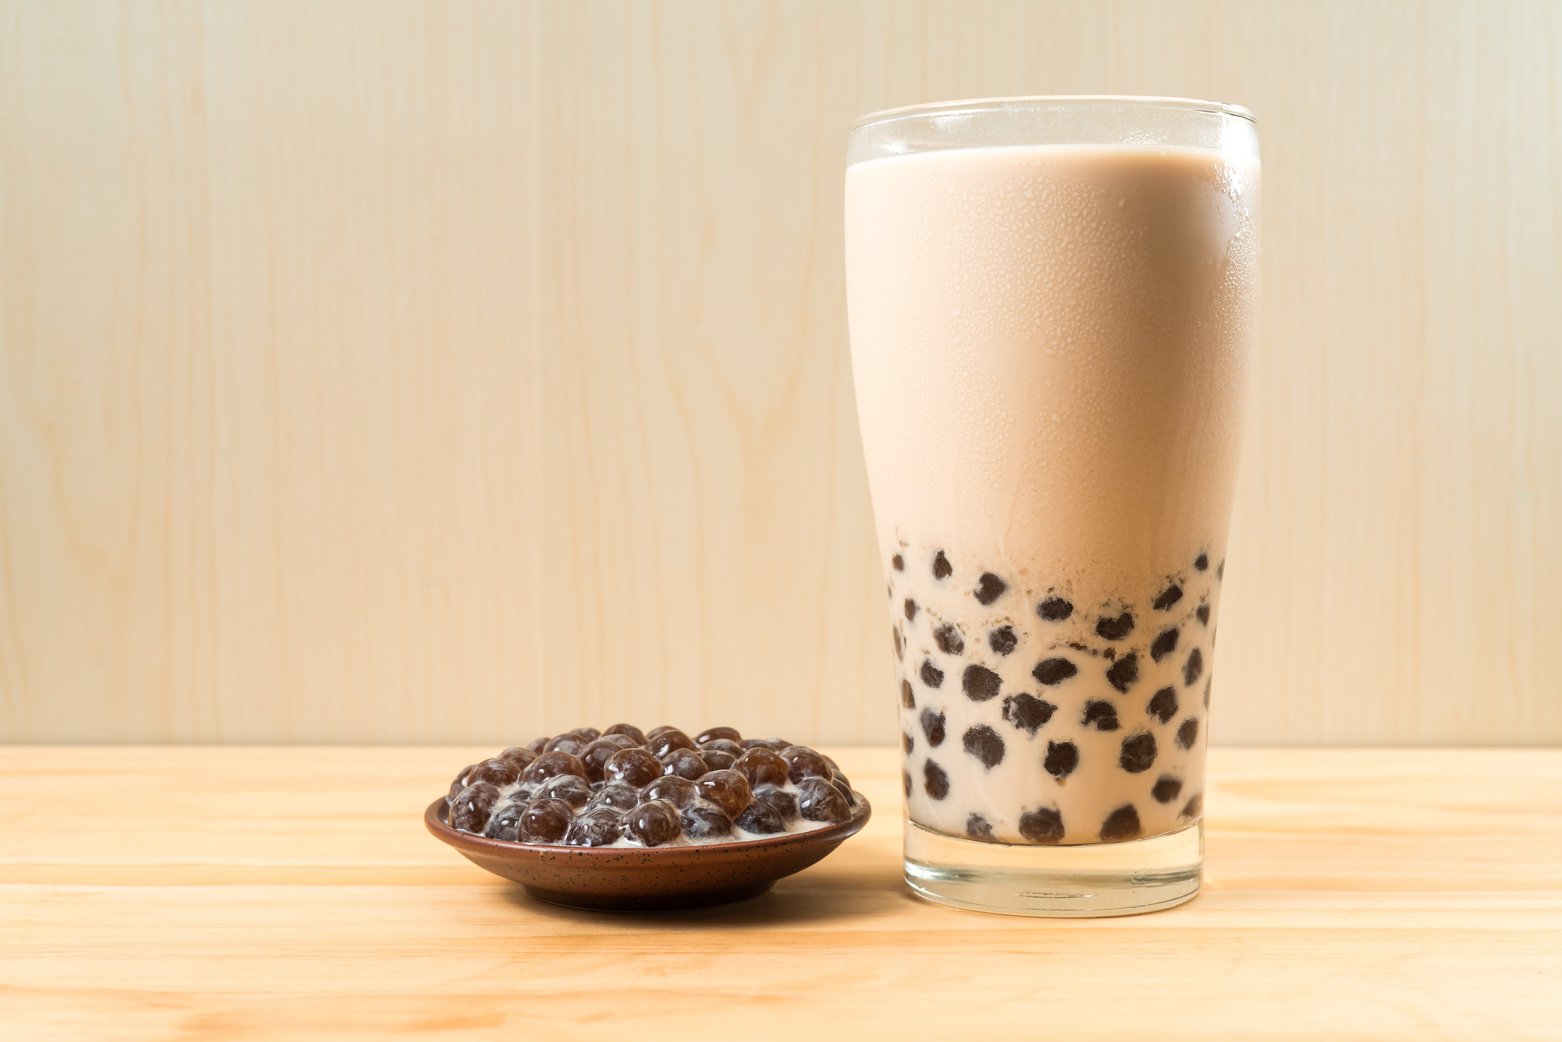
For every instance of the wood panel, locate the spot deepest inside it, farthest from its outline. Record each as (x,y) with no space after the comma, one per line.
(400,371)
(1349,894)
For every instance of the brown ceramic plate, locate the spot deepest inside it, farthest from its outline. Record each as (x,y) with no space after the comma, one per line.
(647,879)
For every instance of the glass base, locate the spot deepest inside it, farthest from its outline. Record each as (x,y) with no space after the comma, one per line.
(1097,879)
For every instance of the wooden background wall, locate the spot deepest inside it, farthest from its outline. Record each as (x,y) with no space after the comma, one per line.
(436,371)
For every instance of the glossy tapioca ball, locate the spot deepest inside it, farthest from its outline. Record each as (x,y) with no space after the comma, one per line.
(552,764)
(634,767)
(545,821)
(722,745)
(499,771)
(819,800)
(802,762)
(671,788)
(598,828)
(718,734)
(667,741)
(569,742)
(472,806)
(629,731)
(615,796)
(653,823)
(761,819)
(595,755)
(703,823)
(505,822)
(785,803)
(566,787)
(520,754)
(729,791)
(763,767)
(685,763)
(717,760)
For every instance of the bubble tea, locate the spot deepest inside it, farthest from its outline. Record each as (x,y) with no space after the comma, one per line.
(1052,305)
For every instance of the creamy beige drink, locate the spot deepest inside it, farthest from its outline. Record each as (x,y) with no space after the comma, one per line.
(1049,344)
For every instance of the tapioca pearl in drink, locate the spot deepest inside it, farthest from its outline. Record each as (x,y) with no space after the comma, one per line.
(979,828)
(1163,704)
(1188,733)
(933,727)
(931,675)
(897,643)
(898,563)
(1100,714)
(935,780)
(1193,668)
(947,636)
(1201,562)
(908,697)
(1042,825)
(1166,788)
(1164,644)
(1202,612)
(907,743)
(910,608)
(1121,825)
(1194,807)
(1138,753)
(1055,609)
(979,683)
(985,744)
(1168,597)
(1002,640)
(905,777)
(1027,712)
(989,588)
(1061,760)
(942,569)
(1115,627)
(1124,673)
(1053,671)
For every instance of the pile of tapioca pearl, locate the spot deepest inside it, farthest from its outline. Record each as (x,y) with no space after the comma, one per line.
(625,787)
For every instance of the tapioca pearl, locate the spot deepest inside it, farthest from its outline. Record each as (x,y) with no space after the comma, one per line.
(947,637)
(1201,562)
(900,649)
(1164,644)
(1053,671)
(978,827)
(1055,609)
(980,683)
(671,788)
(634,766)
(819,800)
(1042,825)
(702,821)
(1193,668)
(1115,627)
(546,821)
(1166,788)
(932,676)
(907,743)
(1002,640)
(910,609)
(989,588)
(933,727)
(506,822)
(942,569)
(629,731)
(760,819)
(1138,753)
(1163,704)
(1167,597)
(908,697)
(1124,672)
(572,790)
(470,810)
(802,762)
(1100,714)
(1194,807)
(985,744)
(784,803)
(898,563)
(905,777)
(1027,712)
(1061,759)
(686,763)
(653,823)
(1202,613)
(1188,733)
(1120,825)
(935,781)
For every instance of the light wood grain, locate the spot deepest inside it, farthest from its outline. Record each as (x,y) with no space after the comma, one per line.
(251,893)
(391,371)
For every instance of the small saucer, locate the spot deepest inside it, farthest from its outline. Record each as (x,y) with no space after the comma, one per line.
(647,878)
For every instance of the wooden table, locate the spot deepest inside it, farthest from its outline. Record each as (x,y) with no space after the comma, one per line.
(266,893)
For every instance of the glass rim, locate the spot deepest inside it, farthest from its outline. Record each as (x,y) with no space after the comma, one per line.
(1038,101)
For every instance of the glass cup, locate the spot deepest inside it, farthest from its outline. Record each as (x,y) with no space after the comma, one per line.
(1052,306)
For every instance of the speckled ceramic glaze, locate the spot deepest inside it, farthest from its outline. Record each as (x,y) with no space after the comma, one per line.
(647,879)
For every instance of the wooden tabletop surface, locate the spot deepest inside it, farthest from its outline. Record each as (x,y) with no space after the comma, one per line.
(292,893)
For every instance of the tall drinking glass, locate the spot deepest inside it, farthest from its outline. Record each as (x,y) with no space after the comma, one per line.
(1052,305)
